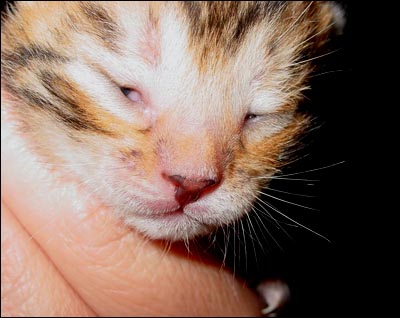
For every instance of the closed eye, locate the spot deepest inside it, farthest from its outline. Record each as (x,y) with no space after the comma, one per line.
(132,94)
(251,116)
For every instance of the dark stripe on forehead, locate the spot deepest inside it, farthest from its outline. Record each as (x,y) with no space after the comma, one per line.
(100,23)
(222,25)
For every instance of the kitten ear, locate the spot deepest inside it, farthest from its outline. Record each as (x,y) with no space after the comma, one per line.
(338,17)
(331,17)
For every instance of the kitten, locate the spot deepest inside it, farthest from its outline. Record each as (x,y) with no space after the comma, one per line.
(186,108)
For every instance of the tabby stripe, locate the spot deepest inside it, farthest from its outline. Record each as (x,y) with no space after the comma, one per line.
(65,100)
(104,27)
(37,100)
(71,112)
(23,56)
(222,26)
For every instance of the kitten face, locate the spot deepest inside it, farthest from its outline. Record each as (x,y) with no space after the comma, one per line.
(171,113)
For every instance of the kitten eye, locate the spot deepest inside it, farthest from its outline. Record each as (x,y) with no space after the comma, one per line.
(250,117)
(132,94)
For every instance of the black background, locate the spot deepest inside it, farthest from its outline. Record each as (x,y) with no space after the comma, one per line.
(318,272)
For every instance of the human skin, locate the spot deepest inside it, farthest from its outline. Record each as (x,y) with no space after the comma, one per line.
(64,254)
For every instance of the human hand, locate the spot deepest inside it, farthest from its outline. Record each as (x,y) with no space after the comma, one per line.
(64,254)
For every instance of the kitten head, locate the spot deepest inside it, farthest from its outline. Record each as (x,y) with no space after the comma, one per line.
(175,114)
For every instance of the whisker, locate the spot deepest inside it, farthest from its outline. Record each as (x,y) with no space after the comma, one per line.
(166,249)
(277,223)
(314,58)
(213,241)
(288,202)
(315,169)
(327,72)
(234,250)
(294,221)
(298,158)
(255,233)
(250,227)
(291,193)
(245,244)
(284,178)
(226,242)
(186,242)
(266,213)
(260,224)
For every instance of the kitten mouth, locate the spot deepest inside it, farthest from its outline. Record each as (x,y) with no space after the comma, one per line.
(174,213)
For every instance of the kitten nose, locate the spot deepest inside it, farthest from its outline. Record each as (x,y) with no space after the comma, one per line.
(189,190)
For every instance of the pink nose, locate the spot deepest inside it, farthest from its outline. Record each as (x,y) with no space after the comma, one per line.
(189,190)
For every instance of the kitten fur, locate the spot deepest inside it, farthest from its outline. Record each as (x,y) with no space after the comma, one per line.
(213,93)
